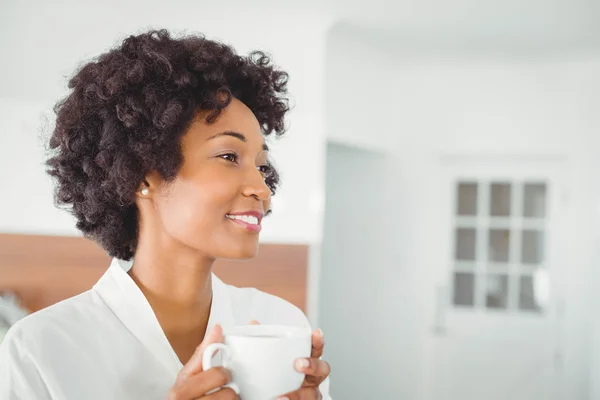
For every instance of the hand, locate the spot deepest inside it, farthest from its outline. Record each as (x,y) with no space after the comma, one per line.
(194,383)
(315,369)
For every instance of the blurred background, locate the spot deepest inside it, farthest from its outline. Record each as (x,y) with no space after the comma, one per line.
(440,204)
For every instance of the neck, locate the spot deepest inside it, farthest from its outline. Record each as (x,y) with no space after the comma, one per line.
(176,282)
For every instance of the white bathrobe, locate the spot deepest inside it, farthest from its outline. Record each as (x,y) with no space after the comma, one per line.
(106,343)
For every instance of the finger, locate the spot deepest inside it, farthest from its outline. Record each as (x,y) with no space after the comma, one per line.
(223,394)
(305,393)
(254,322)
(315,369)
(318,344)
(194,365)
(199,384)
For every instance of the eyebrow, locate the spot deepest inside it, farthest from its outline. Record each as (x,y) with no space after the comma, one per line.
(236,135)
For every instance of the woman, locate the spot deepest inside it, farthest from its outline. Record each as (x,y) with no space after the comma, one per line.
(159,152)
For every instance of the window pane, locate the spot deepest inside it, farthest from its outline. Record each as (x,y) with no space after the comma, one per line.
(465,244)
(499,240)
(532,247)
(467,199)
(496,291)
(464,289)
(534,200)
(500,200)
(527,295)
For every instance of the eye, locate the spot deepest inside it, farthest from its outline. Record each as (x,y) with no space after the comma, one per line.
(231,157)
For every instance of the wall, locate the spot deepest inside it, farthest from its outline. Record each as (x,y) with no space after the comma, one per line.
(515,106)
(418,104)
(358,91)
(353,259)
(368,300)
(44,43)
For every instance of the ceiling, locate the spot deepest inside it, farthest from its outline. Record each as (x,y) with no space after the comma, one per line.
(501,24)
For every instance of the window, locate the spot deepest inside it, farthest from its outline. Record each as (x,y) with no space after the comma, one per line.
(499,244)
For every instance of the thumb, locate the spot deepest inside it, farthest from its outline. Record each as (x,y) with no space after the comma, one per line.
(194,365)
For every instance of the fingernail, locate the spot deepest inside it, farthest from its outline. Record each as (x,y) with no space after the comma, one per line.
(283,398)
(302,363)
(320,331)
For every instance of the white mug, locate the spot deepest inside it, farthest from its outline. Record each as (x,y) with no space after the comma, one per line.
(261,359)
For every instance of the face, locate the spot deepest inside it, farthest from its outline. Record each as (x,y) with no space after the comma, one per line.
(218,200)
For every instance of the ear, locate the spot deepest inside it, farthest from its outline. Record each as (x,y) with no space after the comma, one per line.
(149,185)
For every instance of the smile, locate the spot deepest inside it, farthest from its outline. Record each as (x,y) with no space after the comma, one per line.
(249,222)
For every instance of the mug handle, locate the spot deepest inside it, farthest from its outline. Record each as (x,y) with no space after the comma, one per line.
(207,357)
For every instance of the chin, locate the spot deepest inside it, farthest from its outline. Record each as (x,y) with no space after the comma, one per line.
(240,253)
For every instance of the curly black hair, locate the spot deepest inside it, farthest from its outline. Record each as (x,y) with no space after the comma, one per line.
(127,112)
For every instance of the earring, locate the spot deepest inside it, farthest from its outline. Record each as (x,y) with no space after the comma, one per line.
(145,191)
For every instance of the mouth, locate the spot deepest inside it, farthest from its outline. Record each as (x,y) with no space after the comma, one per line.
(249,220)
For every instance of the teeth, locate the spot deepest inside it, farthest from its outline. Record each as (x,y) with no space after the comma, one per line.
(246,218)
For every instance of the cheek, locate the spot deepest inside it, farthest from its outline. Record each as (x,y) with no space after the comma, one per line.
(189,208)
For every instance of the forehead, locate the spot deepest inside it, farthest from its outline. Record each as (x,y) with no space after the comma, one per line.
(237,117)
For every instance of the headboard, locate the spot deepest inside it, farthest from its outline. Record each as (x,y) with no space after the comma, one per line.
(42,270)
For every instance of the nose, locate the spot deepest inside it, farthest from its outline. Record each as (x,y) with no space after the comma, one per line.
(255,186)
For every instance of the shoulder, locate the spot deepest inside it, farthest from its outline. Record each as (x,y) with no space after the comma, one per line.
(50,324)
(36,344)
(252,304)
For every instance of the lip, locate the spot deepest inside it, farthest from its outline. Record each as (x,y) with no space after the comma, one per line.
(251,227)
